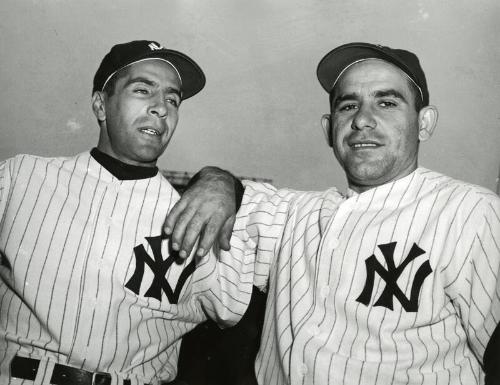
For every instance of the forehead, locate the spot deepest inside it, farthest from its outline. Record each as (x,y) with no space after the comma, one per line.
(153,70)
(372,73)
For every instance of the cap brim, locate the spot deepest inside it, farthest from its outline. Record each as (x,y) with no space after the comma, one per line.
(192,77)
(333,64)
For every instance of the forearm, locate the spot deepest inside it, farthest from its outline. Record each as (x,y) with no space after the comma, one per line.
(212,174)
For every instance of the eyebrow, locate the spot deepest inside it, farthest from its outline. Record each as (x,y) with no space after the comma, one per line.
(151,83)
(344,97)
(378,94)
(391,92)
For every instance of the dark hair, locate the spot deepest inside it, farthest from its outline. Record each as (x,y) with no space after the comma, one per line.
(417,97)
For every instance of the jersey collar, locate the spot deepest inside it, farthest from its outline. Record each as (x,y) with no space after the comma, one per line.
(120,170)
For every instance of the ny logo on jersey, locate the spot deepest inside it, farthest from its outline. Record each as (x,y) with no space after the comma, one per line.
(391,275)
(159,268)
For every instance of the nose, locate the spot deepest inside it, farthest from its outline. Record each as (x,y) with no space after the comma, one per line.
(158,106)
(364,118)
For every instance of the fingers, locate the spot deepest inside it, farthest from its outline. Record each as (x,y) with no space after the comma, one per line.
(189,234)
(193,223)
(206,207)
(171,219)
(209,234)
(178,219)
(225,233)
(186,230)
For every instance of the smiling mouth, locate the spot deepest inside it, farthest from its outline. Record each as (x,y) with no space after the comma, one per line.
(150,131)
(364,145)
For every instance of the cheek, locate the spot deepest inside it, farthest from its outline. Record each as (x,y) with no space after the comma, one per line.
(406,139)
(340,130)
(173,118)
(172,124)
(120,116)
(339,145)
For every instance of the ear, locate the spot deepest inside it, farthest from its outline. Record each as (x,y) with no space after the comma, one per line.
(99,106)
(427,121)
(326,124)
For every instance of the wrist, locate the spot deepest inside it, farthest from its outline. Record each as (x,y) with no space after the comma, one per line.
(216,174)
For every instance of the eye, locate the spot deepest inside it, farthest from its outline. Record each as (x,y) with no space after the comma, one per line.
(347,107)
(173,101)
(387,104)
(141,90)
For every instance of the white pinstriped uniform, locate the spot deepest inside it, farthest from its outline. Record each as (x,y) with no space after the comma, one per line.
(68,231)
(314,247)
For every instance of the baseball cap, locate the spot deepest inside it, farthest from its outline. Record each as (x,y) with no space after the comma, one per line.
(335,62)
(122,55)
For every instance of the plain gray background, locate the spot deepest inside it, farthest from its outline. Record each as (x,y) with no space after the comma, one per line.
(259,114)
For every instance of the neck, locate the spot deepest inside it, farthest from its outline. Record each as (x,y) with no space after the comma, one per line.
(362,187)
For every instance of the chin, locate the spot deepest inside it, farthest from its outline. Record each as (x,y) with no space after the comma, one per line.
(145,161)
(366,173)
(148,155)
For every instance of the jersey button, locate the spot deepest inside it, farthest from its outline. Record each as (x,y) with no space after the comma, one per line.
(314,330)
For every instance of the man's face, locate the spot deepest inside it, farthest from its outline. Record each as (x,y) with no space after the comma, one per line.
(138,119)
(375,127)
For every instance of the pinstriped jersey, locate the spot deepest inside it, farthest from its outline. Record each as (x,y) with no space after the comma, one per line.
(86,278)
(396,285)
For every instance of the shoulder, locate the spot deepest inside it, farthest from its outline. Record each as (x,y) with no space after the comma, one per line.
(443,182)
(23,161)
(27,159)
(26,164)
(267,190)
(262,199)
(460,195)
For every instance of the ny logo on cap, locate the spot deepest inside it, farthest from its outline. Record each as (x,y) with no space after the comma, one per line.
(154,46)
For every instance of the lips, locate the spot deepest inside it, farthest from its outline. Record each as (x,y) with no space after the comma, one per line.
(153,131)
(150,131)
(363,144)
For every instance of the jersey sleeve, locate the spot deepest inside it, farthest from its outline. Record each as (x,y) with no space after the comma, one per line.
(256,237)
(224,285)
(259,227)
(476,289)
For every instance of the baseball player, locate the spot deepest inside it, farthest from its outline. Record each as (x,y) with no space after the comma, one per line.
(395,281)
(89,291)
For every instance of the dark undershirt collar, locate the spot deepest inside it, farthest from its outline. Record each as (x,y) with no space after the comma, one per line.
(120,170)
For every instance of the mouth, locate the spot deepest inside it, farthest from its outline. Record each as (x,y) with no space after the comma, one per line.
(358,144)
(363,145)
(150,131)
